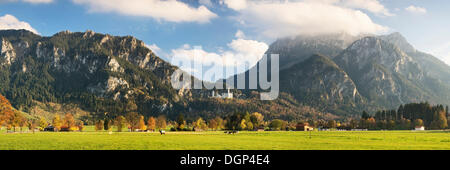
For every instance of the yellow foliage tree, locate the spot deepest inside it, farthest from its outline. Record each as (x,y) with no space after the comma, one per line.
(42,123)
(69,121)
(151,123)
(57,123)
(142,123)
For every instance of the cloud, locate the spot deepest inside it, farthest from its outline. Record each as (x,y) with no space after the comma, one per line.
(239,34)
(416,9)
(277,19)
(154,48)
(30,1)
(207,3)
(167,10)
(235,4)
(242,54)
(373,6)
(38,1)
(11,22)
(442,52)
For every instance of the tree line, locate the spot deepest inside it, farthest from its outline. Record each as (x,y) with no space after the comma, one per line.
(407,117)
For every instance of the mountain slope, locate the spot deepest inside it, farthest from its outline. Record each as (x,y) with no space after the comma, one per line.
(101,73)
(387,76)
(319,82)
(432,65)
(297,49)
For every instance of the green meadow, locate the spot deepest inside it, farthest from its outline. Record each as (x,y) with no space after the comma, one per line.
(330,140)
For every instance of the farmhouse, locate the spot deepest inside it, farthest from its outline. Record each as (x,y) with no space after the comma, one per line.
(304,127)
(420,128)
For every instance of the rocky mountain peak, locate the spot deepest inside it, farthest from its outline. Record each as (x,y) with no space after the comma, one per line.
(296,49)
(400,41)
(370,50)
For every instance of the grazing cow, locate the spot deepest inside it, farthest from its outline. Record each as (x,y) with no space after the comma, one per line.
(231,132)
(163,132)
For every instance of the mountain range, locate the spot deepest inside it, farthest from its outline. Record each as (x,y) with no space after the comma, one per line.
(321,77)
(346,74)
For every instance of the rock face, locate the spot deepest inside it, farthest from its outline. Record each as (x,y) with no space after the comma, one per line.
(7,52)
(319,82)
(384,74)
(388,76)
(433,66)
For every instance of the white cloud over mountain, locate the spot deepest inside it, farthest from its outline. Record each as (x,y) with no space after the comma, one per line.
(286,18)
(167,10)
(10,22)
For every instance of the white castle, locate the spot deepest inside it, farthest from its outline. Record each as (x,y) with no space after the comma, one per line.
(227,95)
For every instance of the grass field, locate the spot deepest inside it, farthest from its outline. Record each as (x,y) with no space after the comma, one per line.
(89,140)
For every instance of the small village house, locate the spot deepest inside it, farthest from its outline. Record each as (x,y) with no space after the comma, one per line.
(304,127)
(420,128)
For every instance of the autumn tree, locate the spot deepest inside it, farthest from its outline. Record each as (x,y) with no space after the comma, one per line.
(243,124)
(57,123)
(200,124)
(9,115)
(69,121)
(220,123)
(276,124)
(213,124)
(133,119)
(249,125)
(141,124)
(120,122)
(21,121)
(99,125)
(180,122)
(442,120)
(6,110)
(42,123)
(331,124)
(257,119)
(161,122)
(80,126)
(418,122)
(31,125)
(151,123)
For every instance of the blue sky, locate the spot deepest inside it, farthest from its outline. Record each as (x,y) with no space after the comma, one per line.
(211,26)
